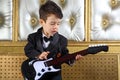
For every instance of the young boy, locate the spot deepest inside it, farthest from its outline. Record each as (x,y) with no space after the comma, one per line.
(47,42)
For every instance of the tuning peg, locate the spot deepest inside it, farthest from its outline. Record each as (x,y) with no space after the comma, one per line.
(96,45)
(93,45)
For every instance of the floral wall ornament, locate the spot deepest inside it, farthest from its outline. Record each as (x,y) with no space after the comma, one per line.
(42,1)
(34,21)
(106,21)
(63,3)
(72,21)
(114,4)
(6,19)
(2,20)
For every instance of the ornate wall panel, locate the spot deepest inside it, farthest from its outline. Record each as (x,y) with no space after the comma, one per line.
(6,19)
(72,25)
(105,20)
(28,17)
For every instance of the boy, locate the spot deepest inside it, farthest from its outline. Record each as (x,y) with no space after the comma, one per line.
(47,42)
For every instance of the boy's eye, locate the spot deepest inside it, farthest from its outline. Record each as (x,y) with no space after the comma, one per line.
(58,24)
(52,24)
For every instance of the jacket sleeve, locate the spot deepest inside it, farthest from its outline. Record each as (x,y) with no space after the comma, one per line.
(30,48)
(64,50)
(63,46)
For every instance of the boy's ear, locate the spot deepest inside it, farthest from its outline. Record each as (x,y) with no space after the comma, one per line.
(41,21)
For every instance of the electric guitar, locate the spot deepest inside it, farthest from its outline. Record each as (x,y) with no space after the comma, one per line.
(35,69)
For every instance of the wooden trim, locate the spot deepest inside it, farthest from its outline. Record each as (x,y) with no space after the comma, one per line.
(12,43)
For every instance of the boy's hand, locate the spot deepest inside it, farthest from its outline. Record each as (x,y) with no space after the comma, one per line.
(43,55)
(78,57)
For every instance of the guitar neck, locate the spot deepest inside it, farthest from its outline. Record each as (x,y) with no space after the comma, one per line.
(60,60)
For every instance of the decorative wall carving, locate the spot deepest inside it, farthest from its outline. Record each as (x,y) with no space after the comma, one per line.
(104,27)
(28,15)
(5,19)
(105,20)
(72,25)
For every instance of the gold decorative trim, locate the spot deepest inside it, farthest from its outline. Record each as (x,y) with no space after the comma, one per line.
(70,43)
(15,23)
(87,20)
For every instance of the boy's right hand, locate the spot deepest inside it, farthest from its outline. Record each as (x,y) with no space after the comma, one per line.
(43,55)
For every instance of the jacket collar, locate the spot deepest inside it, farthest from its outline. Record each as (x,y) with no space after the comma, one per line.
(52,43)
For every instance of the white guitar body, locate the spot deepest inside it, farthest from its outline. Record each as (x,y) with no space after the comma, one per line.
(41,68)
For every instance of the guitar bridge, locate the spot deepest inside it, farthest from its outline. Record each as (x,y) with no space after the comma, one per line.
(31,62)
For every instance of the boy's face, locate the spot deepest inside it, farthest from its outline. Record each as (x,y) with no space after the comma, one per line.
(51,25)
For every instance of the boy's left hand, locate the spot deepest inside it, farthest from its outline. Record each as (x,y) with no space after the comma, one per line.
(78,57)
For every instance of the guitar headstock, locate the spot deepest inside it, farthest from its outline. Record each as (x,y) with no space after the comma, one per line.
(93,49)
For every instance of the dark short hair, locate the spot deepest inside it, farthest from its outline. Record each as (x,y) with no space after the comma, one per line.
(48,8)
